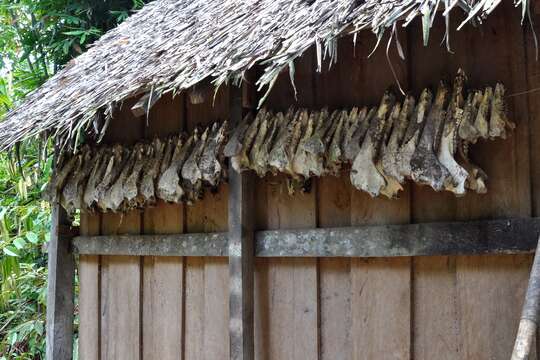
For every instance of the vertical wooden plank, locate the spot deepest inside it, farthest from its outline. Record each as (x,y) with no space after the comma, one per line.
(495,54)
(241,252)
(289,296)
(486,285)
(380,288)
(206,297)
(435,324)
(334,274)
(60,278)
(332,89)
(493,309)
(162,301)
(533,103)
(121,275)
(194,314)
(89,281)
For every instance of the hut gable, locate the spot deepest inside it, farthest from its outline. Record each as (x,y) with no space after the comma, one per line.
(171,45)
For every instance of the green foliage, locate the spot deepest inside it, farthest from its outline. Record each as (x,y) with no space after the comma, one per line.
(37,37)
(24,225)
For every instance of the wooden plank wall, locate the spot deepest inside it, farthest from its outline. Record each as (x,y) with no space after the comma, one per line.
(422,308)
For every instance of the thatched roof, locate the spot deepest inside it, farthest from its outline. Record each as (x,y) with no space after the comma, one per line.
(171,45)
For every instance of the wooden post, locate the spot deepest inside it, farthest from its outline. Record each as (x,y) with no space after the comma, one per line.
(59,331)
(529,316)
(241,252)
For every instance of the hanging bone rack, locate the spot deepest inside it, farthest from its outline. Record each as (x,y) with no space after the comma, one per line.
(426,140)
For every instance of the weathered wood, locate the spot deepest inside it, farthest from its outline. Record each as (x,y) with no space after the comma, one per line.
(206,333)
(291,296)
(488,284)
(504,236)
(529,315)
(334,273)
(241,252)
(203,244)
(380,288)
(89,293)
(435,308)
(336,88)
(510,236)
(163,277)
(121,275)
(60,278)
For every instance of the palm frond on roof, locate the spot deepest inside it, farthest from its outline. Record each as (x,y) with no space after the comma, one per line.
(170,45)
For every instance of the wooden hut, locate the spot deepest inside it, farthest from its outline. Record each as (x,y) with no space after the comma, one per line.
(278,267)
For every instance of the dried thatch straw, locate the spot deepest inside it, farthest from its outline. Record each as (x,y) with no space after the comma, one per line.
(171,45)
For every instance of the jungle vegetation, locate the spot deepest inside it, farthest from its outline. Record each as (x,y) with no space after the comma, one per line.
(37,38)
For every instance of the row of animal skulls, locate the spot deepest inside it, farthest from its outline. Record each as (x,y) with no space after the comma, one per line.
(426,140)
(119,178)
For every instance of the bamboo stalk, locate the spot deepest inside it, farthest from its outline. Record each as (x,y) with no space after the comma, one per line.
(529,316)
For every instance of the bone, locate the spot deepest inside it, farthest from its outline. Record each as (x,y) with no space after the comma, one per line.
(477,179)
(240,161)
(392,186)
(390,157)
(58,180)
(279,158)
(335,150)
(300,164)
(114,166)
(258,143)
(68,193)
(466,128)
(143,152)
(234,145)
(114,196)
(191,171)
(449,140)
(412,135)
(168,187)
(292,145)
(90,196)
(481,122)
(364,174)
(351,145)
(498,120)
(425,166)
(210,164)
(146,193)
(260,161)
(73,191)
(427,141)
(314,147)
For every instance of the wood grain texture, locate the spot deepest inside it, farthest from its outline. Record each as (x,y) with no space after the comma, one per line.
(509,195)
(121,275)
(162,301)
(480,237)
(334,274)
(435,326)
(286,301)
(334,207)
(496,55)
(241,251)
(60,288)
(89,296)
(380,288)
(207,290)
